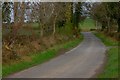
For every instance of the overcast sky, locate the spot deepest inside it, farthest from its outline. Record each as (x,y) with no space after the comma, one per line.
(65,0)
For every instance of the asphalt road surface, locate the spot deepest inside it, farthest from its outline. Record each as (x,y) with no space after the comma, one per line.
(80,62)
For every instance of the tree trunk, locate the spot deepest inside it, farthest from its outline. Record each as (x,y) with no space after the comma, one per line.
(41,30)
(118,21)
(23,11)
(15,18)
(54,25)
(108,25)
(96,25)
(103,27)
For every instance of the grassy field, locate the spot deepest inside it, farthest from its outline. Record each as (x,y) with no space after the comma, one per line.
(111,67)
(39,58)
(87,24)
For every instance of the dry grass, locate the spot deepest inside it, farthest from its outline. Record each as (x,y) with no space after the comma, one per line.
(24,45)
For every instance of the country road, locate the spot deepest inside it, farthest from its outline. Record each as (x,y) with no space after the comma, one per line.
(80,62)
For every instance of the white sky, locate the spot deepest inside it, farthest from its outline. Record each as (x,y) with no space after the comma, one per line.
(62,0)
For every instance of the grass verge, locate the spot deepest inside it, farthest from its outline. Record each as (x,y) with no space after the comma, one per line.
(111,67)
(39,58)
(106,40)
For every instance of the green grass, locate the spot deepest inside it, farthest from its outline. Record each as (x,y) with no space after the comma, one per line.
(111,67)
(32,25)
(106,40)
(35,25)
(87,24)
(39,58)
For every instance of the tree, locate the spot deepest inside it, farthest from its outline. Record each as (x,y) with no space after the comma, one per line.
(6,11)
(108,15)
(43,13)
(49,14)
(99,13)
(114,12)
(76,17)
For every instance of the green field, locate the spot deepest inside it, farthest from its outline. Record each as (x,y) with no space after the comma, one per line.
(87,24)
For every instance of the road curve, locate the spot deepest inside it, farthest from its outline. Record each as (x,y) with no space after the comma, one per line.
(80,62)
